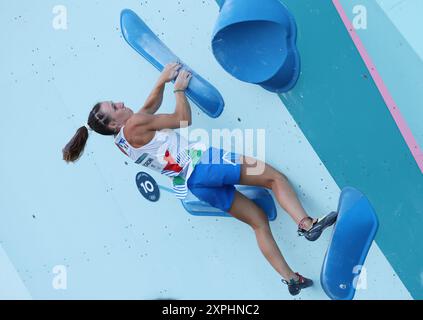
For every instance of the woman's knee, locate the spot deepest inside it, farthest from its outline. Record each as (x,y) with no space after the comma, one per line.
(261,225)
(275,178)
(248,212)
(259,221)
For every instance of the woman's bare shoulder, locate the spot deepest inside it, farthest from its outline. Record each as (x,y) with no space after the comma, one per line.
(136,130)
(140,118)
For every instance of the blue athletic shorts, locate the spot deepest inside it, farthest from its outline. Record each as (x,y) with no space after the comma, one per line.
(214,177)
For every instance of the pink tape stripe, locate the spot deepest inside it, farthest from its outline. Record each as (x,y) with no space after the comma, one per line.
(387,97)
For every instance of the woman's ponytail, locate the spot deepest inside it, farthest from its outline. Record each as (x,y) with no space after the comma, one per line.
(75,147)
(97,122)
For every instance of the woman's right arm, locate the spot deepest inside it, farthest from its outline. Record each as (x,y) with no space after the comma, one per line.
(154,100)
(180,118)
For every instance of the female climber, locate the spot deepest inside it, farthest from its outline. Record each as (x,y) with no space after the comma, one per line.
(149,139)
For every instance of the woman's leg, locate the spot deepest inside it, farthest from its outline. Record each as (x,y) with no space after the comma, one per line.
(276,181)
(247,211)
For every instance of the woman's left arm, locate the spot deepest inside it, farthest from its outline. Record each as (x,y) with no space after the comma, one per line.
(154,100)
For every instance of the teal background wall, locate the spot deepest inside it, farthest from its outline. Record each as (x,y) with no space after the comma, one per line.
(398,57)
(344,117)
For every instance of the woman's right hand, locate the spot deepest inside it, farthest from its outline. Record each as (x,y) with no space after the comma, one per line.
(170,72)
(183,79)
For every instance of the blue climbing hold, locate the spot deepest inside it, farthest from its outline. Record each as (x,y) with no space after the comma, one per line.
(140,37)
(255,41)
(352,237)
(260,196)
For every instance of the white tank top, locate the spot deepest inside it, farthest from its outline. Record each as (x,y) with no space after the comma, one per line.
(167,153)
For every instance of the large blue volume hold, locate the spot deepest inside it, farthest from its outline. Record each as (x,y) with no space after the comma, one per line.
(140,37)
(255,41)
(355,229)
(260,196)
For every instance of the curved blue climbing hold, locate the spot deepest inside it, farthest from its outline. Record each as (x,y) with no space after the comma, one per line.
(255,41)
(260,196)
(140,37)
(355,229)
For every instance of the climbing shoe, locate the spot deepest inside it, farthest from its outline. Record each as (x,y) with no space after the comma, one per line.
(318,226)
(294,287)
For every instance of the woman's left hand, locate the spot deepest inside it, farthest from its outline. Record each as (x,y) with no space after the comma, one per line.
(170,72)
